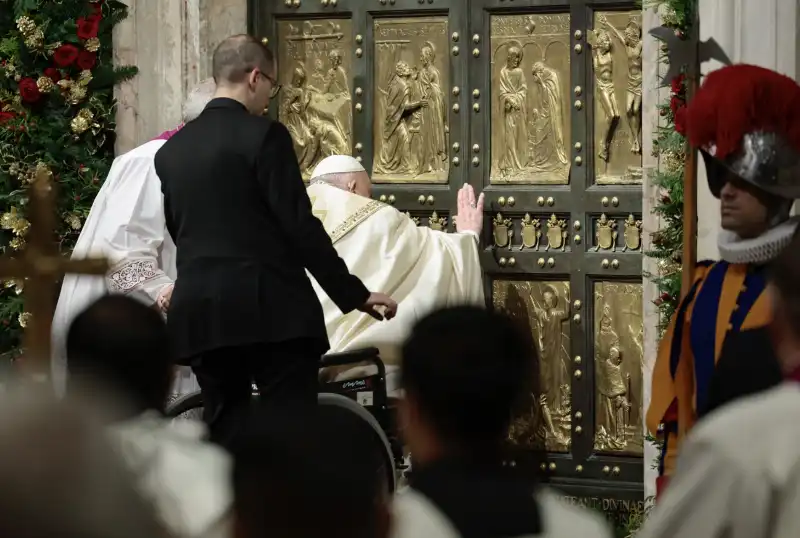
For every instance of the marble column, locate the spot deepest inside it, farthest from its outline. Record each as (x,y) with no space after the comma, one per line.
(759,32)
(652,95)
(171,43)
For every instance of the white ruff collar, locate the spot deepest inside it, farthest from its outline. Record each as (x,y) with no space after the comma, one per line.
(757,250)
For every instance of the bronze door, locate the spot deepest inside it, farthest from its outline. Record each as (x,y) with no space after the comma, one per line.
(556,133)
(538,104)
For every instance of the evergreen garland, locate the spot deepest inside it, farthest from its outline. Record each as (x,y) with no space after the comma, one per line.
(56,119)
(669,147)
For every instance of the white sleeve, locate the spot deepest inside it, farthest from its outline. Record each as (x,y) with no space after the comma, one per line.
(133,230)
(710,495)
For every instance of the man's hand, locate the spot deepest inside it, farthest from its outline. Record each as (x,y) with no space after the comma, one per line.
(380,306)
(470,211)
(162,301)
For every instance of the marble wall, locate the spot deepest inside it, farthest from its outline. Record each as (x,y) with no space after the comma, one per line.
(171,42)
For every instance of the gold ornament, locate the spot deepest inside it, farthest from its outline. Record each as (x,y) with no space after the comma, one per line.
(24,319)
(26,25)
(18,243)
(92,44)
(76,95)
(85,77)
(42,171)
(673,160)
(15,222)
(51,48)
(669,17)
(73,221)
(65,84)
(45,84)
(17,284)
(82,121)
(35,40)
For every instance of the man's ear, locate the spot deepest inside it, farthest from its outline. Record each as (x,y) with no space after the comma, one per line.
(253,77)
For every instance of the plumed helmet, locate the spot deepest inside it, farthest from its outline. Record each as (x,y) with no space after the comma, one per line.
(745,120)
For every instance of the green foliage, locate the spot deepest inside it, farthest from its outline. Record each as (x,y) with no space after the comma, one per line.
(57,112)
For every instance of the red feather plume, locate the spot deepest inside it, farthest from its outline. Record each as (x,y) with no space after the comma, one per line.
(741,99)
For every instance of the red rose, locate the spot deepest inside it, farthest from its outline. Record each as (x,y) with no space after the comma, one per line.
(86,60)
(6,116)
(88,27)
(680,121)
(675,103)
(677,83)
(53,74)
(65,55)
(29,90)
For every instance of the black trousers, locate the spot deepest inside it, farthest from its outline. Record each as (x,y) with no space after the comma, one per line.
(286,374)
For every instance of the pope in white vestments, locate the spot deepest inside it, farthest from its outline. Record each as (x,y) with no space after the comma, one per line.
(422,269)
(126,225)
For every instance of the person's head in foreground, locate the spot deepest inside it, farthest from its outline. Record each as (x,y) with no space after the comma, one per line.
(343,172)
(784,294)
(464,369)
(299,476)
(245,70)
(746,122)
(60,476)
(122,345)
(197,99)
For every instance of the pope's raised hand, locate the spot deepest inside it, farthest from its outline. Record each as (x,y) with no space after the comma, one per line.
(470,210)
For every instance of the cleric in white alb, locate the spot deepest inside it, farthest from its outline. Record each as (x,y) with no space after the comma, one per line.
(126,225)
(422,269)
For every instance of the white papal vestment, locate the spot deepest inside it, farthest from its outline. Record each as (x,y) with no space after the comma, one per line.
(126,225)
(420,268)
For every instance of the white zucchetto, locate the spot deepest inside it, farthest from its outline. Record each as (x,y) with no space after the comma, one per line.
(337,164)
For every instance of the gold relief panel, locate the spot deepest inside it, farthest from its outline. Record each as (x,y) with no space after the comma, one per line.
(618,356)
(315,66)
(543,421)
(410,119)
(616,47)
(530,78)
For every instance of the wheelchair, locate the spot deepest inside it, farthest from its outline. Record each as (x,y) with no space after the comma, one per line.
(364,396)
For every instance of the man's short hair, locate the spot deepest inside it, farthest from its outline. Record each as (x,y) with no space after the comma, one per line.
(197,99)
(237,55)
(309,475)
(783,276)
(123,344)
(467,368)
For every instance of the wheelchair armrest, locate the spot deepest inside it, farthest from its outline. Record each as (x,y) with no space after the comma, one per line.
(367,354)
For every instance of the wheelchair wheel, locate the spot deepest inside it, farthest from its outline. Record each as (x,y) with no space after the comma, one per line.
(190,406)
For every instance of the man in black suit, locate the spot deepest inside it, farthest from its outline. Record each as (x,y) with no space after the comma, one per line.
(243,309)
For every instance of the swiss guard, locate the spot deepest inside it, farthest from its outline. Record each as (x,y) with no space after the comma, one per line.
(745,121)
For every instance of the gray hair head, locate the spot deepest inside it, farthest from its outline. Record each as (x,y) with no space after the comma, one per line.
(61,476)
(197,99)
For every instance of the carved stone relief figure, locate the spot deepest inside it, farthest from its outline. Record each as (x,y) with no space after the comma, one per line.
(552,106)
(513,93)
(395,156)
(631,39)
(316,108)
(618,367)
(434,116)
(544,421)
(603,62)
(616,44)
(530,126)
(411,111)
